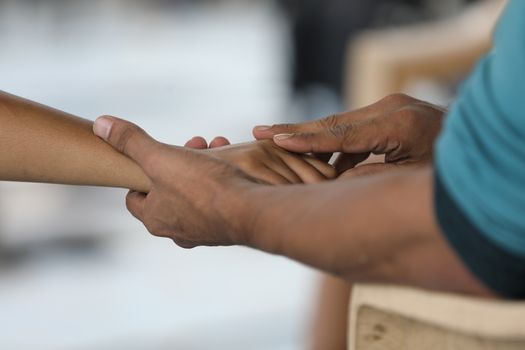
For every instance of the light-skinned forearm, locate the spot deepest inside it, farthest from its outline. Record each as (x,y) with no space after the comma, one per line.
(42,144)
(376,229)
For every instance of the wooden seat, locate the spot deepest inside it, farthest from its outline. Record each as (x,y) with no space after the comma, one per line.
(399,318)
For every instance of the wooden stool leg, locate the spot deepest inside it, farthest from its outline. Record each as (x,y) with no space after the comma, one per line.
(329,330)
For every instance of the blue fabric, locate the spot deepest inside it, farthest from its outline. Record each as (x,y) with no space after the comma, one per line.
(498,268)
(480,156)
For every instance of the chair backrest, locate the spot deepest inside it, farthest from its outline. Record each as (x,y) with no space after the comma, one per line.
(399,318)
(384,61)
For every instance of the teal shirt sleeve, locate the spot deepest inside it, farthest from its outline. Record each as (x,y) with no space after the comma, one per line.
(480,163)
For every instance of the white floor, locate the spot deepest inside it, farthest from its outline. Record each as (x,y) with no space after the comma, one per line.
(177,71)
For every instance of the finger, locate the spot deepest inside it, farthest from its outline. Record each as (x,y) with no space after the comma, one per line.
(324,168)
(125,137)
(361,137)
(267,132)
(306,172)
(388,104)
(270,176)
(197,142)
(282,167)
(262,132)
(219,141)
(135,202)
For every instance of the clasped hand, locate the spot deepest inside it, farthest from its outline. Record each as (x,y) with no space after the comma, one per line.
(399,126)
(196,197)
(209,197)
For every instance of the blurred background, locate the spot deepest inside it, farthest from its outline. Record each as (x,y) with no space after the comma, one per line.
(76,271)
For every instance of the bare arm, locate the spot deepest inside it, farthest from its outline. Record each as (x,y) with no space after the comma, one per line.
(373,229)
(380,228)
(42,144)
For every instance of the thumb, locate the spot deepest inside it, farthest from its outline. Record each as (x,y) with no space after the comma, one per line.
(125,137)
(346,138)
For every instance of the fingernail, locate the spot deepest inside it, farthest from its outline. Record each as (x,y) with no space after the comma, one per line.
(262,127)
(282,137)
(102,127)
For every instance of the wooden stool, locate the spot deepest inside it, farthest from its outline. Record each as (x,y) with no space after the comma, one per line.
(398,318)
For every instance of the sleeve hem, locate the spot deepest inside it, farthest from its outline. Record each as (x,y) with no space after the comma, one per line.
(500,270)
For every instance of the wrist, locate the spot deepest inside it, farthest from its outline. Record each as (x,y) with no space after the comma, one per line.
(245,211)
(249,214)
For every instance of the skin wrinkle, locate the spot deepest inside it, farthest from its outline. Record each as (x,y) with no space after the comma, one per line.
(215,201)
(340,132)
(258,223)
(250,226)
(329,122)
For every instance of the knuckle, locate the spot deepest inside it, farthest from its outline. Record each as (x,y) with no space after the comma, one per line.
(151,230)
(129,204)
(407,116)
(183,243)
(330,171)
(397,98)
(155,228)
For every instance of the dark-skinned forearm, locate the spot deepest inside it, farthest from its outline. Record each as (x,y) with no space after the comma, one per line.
(376,229)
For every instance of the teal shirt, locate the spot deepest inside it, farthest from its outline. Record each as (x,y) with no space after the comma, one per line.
(480,162)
